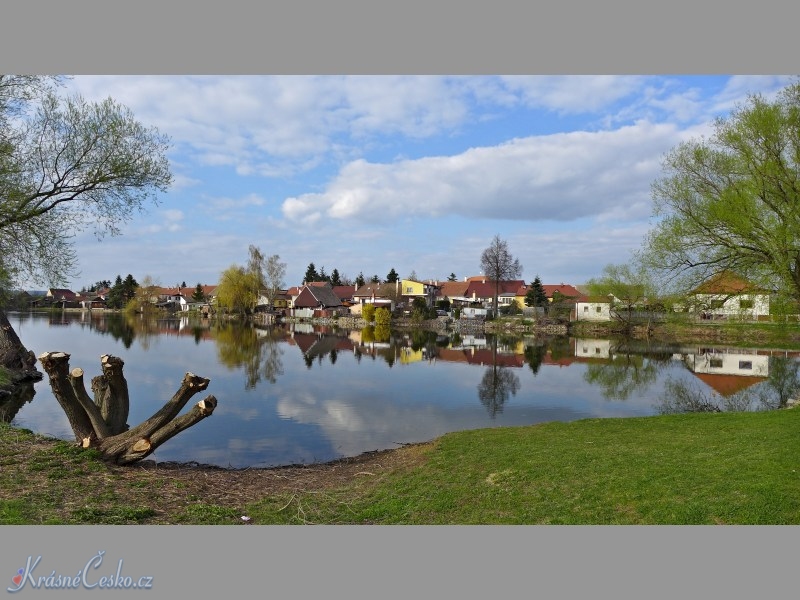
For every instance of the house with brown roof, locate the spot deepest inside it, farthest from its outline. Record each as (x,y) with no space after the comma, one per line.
(316,299)
(727,295)
(481,290)
(562,290)
(61,297)
(454,292)
(381,295)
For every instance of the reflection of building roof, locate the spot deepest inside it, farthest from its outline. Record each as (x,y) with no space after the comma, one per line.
(728,385)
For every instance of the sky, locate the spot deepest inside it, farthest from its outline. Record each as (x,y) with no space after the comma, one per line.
(366,174)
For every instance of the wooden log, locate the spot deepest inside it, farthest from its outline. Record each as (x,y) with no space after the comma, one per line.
(115,401)
(90,420)
(191,385)
(92,410)
(56,365)
(145,446)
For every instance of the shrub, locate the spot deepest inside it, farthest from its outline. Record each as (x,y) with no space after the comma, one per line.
(368,312)
(383,317)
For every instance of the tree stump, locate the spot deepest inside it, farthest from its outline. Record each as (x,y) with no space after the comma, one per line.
(101,422)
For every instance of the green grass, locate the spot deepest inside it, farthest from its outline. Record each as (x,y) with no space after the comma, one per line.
(725,468)
(680,469)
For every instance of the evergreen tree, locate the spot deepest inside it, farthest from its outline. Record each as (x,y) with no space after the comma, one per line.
(311,273)
(360,281)
(198,295)
(392,277)
(323,276)
(452,277)
(536,295)
(375,279)
(335,279)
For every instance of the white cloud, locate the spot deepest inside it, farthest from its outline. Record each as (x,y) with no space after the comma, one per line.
(557,177)
(577,94)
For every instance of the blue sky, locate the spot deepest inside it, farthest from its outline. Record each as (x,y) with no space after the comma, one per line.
(369,173)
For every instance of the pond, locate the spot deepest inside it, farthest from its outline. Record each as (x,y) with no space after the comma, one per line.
(302,394)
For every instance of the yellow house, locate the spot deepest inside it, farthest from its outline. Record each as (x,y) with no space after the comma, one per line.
(410,289)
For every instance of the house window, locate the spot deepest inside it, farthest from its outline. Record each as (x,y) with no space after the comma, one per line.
(585,309)
(746,364)
(745,303)
(599,309)
(715,363)
(409,290)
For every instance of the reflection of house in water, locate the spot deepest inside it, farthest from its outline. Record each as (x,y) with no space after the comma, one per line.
(727,371)
(592,348)
(480,356)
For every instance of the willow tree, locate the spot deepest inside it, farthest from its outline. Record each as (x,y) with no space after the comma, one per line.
(68,165)
(731,202)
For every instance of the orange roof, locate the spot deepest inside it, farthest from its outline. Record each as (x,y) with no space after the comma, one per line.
(725,283)
(728,385)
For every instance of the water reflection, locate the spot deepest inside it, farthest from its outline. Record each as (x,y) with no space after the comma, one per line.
(735,380)
(291,394)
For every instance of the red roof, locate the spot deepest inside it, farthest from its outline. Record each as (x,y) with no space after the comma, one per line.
(485,288)
(563,288)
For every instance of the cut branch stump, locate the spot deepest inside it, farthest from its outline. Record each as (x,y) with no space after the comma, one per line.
(101,422)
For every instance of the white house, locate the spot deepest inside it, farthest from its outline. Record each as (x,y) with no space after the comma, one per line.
(727,295)
(594,308)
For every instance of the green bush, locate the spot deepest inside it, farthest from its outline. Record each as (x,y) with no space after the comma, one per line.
(368,312)
(383,317)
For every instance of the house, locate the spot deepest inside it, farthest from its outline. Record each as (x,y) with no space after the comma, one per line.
(176,299)
(96,300)
(316,299)
(454,292)
(480,290)
(727,295)
(593,308)
(61,297)
(410,289)
(386,295)
(561,291)
(345,293)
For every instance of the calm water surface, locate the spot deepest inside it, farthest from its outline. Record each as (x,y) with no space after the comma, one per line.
(300,395)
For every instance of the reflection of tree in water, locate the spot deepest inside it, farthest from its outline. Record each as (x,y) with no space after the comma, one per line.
(782,384)
(497,384)
(560,348)
(686,397)
(14,399)
(259,355)
(535,355)
(622,375)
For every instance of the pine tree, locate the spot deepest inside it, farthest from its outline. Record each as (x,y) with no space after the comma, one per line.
(536,295)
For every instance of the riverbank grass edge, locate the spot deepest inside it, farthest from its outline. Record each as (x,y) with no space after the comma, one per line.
(709,469)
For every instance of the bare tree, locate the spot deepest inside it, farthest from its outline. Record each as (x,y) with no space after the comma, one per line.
(274,274)
(498,265)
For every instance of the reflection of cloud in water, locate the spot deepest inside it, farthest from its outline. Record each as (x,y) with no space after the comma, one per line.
(359,424)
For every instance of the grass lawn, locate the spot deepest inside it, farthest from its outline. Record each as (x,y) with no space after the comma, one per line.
(724,468)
